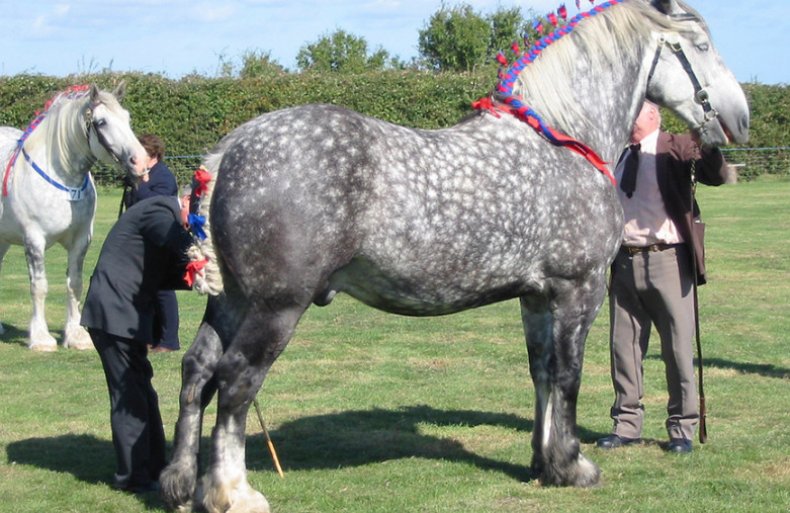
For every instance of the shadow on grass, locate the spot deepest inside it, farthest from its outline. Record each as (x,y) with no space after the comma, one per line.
(337,440)
(761,369)
(87,458)
(13,335)
(353,438)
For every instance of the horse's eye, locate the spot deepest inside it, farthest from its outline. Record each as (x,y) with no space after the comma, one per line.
(703,47)
(100,123)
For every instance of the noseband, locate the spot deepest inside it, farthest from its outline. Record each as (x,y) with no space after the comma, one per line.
(700,93)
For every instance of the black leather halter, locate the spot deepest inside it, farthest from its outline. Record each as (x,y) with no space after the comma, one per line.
(90,123)
(700,93)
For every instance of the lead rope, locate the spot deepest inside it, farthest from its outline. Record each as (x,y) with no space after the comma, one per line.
(703,428)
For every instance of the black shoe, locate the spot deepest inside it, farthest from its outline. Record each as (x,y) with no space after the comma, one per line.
(149,487)
(679,446)
(615,441)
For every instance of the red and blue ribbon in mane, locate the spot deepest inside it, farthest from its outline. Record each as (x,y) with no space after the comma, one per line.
(515,105)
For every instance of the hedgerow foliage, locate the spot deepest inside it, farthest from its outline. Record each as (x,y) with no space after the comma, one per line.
(193,113)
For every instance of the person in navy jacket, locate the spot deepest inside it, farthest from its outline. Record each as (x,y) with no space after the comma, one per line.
(159,181)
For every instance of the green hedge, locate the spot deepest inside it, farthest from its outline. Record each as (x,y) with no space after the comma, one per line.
(193,113)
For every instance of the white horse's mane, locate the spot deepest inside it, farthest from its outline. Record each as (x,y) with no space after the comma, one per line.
(66,107)
(604,40)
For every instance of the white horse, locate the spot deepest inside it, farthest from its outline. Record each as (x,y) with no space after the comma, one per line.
(48,194)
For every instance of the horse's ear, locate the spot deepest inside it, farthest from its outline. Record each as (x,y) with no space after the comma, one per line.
(120,90)
(94,94)
(666,6)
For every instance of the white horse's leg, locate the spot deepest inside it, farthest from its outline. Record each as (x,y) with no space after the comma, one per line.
(39,337)
(3,250)
(74,335)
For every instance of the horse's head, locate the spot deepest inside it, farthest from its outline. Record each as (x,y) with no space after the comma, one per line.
(110,134)
(688,76)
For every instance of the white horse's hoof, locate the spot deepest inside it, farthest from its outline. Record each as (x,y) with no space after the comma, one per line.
(43,347)
(254,502)
(42,341)
(77,338)
(224,498)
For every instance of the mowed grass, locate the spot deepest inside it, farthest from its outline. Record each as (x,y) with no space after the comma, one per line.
(373,412)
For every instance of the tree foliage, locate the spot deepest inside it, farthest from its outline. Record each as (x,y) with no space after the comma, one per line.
(455,39)
(341,52)
(461,39)
(257,64)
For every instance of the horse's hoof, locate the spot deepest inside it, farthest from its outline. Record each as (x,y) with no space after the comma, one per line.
(43,348)
(222,498)
(254,502)
(78,339)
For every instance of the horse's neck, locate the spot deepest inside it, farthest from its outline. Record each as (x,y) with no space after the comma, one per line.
(612,113)
(605,101)
(59,145)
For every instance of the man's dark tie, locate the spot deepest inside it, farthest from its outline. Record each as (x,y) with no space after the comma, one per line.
(630,166)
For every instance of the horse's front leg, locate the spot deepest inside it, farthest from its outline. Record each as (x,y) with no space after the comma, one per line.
(261,338)
(74,335)
(39,336)
(3,250)
(556,334)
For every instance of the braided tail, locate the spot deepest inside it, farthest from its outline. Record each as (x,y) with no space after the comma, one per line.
(203,268)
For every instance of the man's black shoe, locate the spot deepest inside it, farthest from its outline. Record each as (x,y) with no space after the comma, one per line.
(615,441)
(141,488)
(679,446)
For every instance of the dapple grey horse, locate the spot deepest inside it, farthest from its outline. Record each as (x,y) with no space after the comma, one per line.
(48,194)
(314,200)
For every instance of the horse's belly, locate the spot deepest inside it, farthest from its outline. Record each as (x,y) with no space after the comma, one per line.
(417,292)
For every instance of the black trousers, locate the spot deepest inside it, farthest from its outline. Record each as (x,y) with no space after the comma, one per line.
(137,433)
(166,320)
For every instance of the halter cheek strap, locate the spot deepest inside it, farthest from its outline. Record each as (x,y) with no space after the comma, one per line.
(91,124)
(700,93)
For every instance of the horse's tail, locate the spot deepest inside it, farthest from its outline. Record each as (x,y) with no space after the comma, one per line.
(206,276)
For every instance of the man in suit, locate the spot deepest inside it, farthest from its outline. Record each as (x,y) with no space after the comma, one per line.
(159,181)
(144,252)
(653,276)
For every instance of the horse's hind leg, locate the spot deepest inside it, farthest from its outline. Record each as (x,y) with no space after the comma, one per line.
(39,337)
(198,385)
(262,336)
(74,335)
(556,333)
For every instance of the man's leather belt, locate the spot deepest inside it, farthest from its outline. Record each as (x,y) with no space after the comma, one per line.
(635,250)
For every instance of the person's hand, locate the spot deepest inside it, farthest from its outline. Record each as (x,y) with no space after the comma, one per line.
(696,138)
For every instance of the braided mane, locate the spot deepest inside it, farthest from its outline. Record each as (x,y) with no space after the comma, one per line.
(601,38)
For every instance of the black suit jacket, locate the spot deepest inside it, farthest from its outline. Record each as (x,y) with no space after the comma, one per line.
(144,252)
(161,182)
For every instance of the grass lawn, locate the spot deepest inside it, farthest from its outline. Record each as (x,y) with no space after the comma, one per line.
(373,412)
